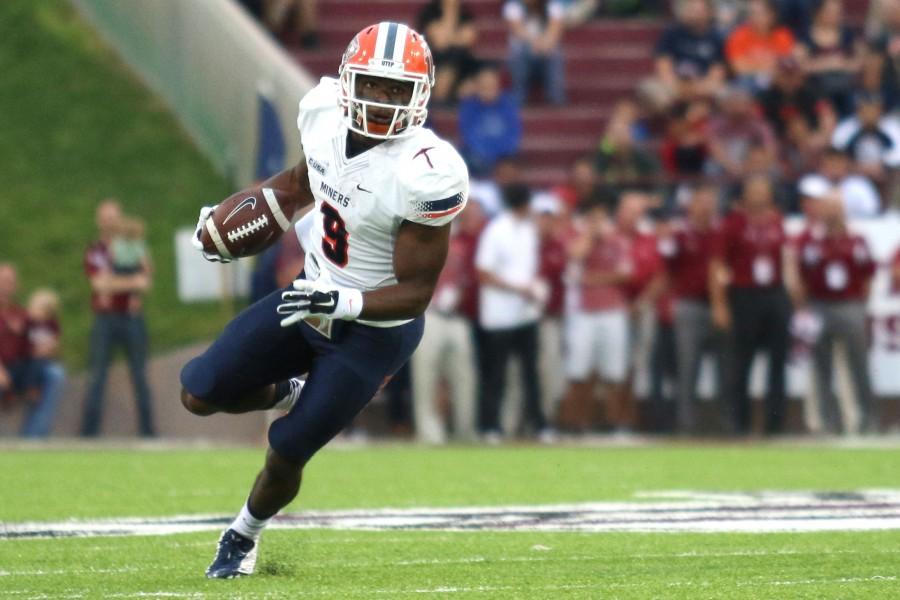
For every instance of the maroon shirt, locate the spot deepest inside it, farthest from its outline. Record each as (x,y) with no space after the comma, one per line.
(895,286)
(97,259)
(468,303)
(646,262)
(553,261)
(687,252)
(41,331)
(752,248)
(14,344)
(834,267)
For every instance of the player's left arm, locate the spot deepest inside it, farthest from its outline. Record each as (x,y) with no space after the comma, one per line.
(419,255)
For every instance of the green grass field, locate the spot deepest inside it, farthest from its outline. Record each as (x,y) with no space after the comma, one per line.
(58,484)
(78,127)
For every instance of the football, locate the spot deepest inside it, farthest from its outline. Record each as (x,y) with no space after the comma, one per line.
(247,222)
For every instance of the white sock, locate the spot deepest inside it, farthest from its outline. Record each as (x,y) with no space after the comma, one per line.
(247,525)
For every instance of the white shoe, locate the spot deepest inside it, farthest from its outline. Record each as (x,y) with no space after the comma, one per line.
(547,436)
(492,438)
(288,402)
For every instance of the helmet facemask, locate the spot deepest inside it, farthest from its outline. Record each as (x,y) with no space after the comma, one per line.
(405,119)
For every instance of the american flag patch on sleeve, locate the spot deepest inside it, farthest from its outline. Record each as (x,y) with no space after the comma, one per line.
(433,209)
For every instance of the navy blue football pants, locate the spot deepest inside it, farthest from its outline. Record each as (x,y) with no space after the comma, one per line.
(344,371)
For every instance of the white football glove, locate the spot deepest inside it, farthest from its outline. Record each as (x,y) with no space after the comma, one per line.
(205,212)
(321,299)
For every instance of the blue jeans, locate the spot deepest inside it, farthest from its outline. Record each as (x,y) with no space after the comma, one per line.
(48,376)
(525,67)
(127,331)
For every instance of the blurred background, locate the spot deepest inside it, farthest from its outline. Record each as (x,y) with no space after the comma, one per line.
(707,197)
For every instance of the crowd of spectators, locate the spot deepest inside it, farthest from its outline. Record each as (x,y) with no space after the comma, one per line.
(668,244)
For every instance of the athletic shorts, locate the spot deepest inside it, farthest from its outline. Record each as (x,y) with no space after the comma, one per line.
(344,370)
(597,342)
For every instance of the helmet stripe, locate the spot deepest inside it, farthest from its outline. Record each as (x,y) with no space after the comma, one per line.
(400,46)
(390,42)
(380,40)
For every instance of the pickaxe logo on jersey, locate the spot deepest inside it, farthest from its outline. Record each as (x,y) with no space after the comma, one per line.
(424,152)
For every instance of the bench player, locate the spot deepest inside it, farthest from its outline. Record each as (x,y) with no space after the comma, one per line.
(385,190)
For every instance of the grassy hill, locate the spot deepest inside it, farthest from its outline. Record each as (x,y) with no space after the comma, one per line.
(75,127)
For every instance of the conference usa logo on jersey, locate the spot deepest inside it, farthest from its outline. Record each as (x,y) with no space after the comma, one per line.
(316,165)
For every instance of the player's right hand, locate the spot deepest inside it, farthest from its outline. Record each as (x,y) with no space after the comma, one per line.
(205,212)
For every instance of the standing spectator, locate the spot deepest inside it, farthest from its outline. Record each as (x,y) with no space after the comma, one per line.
(46,375)
(830,55)
(551,223)
(748,297)
(836,269)
(687,249)
(28,369)
(13,338)
(859,196)
(447,349)
(754,47)
(735,133)
(871,137)
(536,28)
(116,300)
(642,289)
(597,338)
(690,56)
(449,27)
(511,300)
(489,122)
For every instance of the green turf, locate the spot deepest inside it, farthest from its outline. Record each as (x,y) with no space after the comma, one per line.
(54,484)
(77,127)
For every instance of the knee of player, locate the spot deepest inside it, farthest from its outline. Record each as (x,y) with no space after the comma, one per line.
(195,405)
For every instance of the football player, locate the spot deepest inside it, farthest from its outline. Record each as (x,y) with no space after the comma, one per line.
(384,191)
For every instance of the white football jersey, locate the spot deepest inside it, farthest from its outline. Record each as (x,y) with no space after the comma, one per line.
(361,201)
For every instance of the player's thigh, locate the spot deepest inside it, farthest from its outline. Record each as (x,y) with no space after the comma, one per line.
(252,351)
(579,346)
(612,334)
(340,383)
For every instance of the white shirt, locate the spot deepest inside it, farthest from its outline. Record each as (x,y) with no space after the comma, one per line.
(870,153)
(508,249)
(360,202)
(513,10)
(859,195)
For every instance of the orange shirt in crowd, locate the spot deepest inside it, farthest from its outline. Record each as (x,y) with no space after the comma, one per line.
(747,45)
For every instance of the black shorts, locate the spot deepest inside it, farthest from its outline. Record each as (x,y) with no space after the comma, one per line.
(344,371)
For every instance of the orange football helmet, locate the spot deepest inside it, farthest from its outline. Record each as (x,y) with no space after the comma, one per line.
(393,51)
